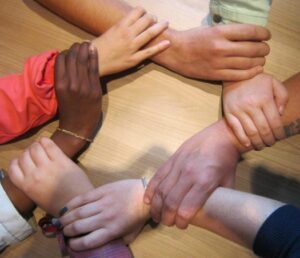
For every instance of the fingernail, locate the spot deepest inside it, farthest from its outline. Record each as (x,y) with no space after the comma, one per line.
(154,18)
(147,200)
(247,144)
(56,223)
(92,48)
(166,42)
(281,110)
(63,211)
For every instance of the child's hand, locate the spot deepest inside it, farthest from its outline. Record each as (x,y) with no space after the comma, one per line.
(78,89)
(47,176)
(111,211)
(253,108)
(121,47)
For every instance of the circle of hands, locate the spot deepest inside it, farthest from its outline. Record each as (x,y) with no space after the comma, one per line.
(204,162)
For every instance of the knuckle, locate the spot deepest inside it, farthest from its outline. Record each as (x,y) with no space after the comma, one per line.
(149,18)
(265,131)
(171,204)
(217,48)
(76,227)
(80,213)
(252,31)
(161,193)
(87,243)
(184,215)
(252,132)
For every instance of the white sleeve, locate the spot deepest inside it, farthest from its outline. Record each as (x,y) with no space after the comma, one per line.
(13,227)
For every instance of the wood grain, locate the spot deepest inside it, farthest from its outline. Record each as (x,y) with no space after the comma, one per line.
(148,114)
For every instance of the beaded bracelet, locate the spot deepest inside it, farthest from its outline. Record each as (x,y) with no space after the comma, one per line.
(74,134)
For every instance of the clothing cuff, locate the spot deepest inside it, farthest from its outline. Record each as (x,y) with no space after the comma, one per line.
(280,234)
(248,12)
(13,227)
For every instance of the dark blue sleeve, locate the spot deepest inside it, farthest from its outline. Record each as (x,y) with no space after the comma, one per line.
(279,236)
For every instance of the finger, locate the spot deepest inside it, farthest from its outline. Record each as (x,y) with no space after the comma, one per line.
(81,212)
(156,206)
(248,49)
(238,75)
(191,203)
(133,16)
(243,63)
(38,154)
(85,225)
(92,240)
(60,67)
(156,180)
(173,200)
(26,163)
(71,65)
(251,131)
(238,130)
(150,33)
(94,69)
(281,95)
(263,126)
(53,152)
(151,51)
(83,66)
(143,23)
(272,115)
(245,32)
(15,173)
(86,198)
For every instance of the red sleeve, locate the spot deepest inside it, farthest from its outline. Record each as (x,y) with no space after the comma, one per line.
(28,99)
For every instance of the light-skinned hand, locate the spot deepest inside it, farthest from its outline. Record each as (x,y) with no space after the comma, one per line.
(109,212)
(232,52)
(123,45)
(183,183)
(47,176)
(253,109)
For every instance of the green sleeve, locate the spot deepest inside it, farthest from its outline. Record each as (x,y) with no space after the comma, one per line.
(239,11)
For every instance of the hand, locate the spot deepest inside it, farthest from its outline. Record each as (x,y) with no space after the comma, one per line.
(226,52)
(121,47)
(106,213)
(252,108)
(183,184)
(78,90)
(47,176)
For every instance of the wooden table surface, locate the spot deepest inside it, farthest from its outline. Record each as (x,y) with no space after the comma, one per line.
(149,113)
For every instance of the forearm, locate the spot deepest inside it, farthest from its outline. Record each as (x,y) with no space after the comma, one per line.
(95,16)
(225,207)
(235,215)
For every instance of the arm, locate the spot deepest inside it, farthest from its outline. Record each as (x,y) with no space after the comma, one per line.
(207,160)
(231,52)
(96,214)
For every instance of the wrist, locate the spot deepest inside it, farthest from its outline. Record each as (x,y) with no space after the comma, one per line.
(69,144)
(230,139)
(171,35)
(21,202)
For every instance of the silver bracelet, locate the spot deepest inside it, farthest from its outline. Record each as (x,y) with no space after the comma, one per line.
(144,181)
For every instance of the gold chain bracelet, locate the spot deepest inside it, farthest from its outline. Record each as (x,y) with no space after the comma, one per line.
(74,134)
